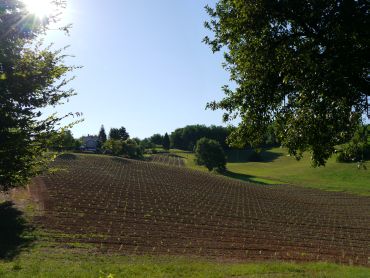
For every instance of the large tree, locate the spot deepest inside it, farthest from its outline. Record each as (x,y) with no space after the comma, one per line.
(156,139)
(62,141)
(209,153)
(102,135)
(166,141)
(31,77)
(118,134)
(304,64)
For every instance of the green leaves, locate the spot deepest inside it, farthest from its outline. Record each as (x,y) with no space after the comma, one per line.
(209,153)
(32,77)
(304,65)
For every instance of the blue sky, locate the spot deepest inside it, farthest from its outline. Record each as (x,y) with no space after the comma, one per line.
(144,65)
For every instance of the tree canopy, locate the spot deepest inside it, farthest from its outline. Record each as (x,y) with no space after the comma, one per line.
(118,134)
(63,141)
(32,76)
(102,135)
(156,139)
(128,148)
(303,64)
(209,153)
(185,138)
(166,142)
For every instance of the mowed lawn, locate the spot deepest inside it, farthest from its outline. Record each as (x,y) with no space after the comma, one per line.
(277,167)
(55,263)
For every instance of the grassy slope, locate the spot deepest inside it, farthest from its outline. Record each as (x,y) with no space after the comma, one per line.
(279,168)
(41,262)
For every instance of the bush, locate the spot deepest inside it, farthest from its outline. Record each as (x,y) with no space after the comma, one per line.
(357,149)
(129,148)
(132,149)
(352,152)
(113,147)
(209,153)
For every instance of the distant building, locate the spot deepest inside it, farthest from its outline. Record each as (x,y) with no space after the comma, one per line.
(89,143)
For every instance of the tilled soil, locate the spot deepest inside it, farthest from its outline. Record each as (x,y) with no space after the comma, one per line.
(135,207)
(168,159)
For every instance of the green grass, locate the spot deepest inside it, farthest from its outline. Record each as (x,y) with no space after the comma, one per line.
(189,159)
(277,167)
(41,262)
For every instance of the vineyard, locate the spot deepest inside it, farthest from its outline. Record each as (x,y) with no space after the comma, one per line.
(136,207)
(168,159)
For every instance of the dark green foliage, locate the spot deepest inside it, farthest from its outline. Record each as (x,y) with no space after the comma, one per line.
(129,148)
(63,141)
(185,138)
(270,139)
(251,155)
(357,149)
(146,144)
(166,142)
(32,77)
(114,134)
(118,134)
(102,138)
(156,139)
(209,153)
(113,147)
(303,64)
(78,144)
(102,135)
(132,149)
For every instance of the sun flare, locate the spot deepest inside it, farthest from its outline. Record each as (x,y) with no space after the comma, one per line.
(40,8)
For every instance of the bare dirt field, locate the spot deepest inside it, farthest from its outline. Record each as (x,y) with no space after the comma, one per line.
(135,207)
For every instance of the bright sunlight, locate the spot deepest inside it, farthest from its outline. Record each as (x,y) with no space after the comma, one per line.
(40,8)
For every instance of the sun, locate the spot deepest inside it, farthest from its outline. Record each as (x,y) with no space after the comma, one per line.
(40,8)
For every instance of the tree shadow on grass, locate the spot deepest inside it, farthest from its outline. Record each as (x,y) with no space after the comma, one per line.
(13,229)
(250,178)
(239,156)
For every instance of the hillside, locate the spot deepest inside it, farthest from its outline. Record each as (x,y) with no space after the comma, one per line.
(276,167)
(134,207)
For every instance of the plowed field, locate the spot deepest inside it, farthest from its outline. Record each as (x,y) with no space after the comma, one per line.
(135,207)
(168,159)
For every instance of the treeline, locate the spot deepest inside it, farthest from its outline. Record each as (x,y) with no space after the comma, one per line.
(186,138)
(118,142)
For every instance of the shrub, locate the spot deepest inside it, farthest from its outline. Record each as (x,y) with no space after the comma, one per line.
(132,149)
(351,152)
(113,147)
(357,149)
(209,153)
(129,148)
